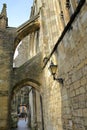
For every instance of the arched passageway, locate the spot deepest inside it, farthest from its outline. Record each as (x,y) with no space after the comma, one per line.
(27,95)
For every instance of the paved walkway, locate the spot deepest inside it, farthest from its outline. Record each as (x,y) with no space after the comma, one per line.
(22,125)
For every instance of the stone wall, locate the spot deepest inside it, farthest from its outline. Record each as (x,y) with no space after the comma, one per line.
(6,64)
(65,105)
(72,67)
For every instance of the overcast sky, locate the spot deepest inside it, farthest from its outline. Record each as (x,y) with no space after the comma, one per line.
(18,11)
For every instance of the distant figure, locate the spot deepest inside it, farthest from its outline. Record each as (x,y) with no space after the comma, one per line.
(21,111)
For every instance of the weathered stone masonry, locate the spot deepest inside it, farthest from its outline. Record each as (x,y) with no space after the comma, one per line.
(6,65)
(64,106)
(66,110)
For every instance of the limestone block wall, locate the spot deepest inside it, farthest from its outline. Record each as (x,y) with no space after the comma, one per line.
(52,105)
(72,65)
(6,63)
(65,105)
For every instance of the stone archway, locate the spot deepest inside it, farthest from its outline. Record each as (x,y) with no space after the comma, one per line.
(26,82)
(35,114)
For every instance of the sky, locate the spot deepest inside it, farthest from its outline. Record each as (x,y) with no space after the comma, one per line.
(18,11)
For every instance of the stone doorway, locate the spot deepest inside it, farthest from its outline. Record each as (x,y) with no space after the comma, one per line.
(28,98)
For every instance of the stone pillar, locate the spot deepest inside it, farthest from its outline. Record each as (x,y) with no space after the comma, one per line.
(5,78)
(34,108)
(31,109)
(39,111)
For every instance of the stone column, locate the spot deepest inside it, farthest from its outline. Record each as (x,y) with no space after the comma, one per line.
(39,111)
(31,114)
(34,108)
(5,78)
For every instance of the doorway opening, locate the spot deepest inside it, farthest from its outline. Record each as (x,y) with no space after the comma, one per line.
(26,108)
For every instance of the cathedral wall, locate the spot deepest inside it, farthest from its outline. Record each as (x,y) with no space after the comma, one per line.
(72,65)
(6,60)
(65,105)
